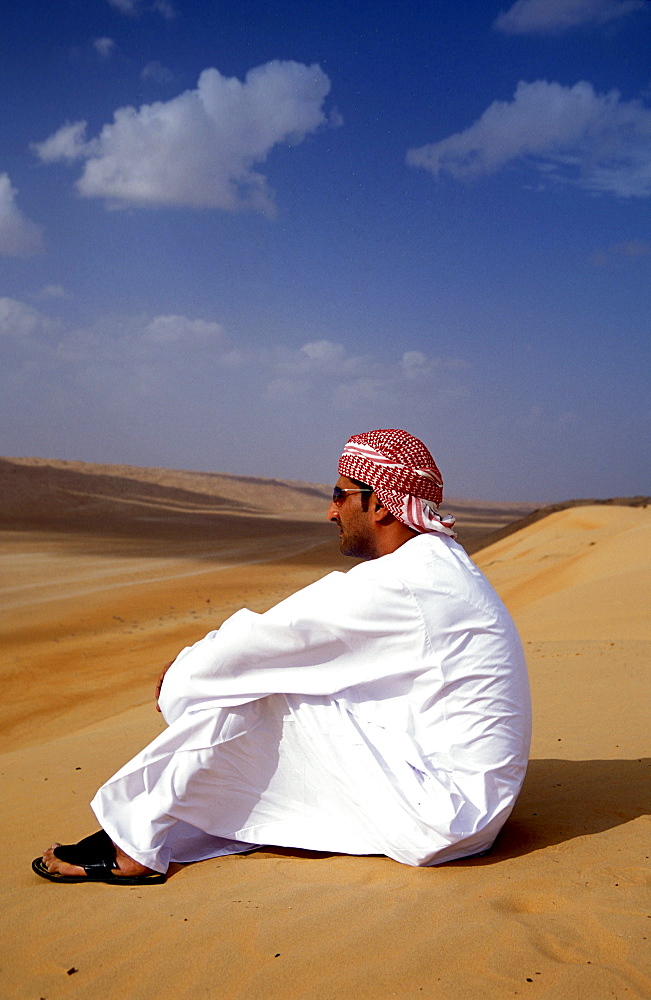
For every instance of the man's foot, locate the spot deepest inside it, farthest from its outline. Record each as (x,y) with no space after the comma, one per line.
(125,864)
(93,859)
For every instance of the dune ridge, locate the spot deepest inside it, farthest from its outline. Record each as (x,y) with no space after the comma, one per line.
(91,605)
(129,501)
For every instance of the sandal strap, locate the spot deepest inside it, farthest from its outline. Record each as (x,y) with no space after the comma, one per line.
(95,853)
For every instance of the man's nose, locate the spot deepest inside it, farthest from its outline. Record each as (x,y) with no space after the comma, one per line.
(332,514)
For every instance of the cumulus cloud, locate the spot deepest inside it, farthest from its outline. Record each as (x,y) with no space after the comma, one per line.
(123,362)
(175,390)
(185,363)
(67,143)
(133,8)
(317,357)
(19,236)
(200,148)
(570,134)
(633,248)
(117,352)
(52,292)
(125,6)
(555,16)
(157,72)
(345,381)
(104,46)
(621,253)
(172,329)
(21,322)
(165,8)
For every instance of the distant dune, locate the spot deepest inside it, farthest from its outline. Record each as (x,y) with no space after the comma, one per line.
(127,501)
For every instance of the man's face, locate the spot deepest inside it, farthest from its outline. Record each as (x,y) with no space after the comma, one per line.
(356,526)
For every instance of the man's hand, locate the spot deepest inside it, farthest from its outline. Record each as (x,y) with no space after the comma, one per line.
(160,683)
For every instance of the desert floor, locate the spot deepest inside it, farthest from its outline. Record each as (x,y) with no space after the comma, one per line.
(106,573)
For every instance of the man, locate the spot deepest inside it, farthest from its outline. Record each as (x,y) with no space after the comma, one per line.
(380,711)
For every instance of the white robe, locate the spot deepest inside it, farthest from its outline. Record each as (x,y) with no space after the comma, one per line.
(380,711)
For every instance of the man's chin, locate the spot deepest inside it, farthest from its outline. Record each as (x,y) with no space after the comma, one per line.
(354,551)
(344,547)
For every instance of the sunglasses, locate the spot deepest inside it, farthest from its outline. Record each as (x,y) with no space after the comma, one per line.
(339,495)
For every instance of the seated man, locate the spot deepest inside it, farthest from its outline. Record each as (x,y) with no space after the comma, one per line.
(380,711)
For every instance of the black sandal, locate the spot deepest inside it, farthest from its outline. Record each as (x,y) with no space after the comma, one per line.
(96,855)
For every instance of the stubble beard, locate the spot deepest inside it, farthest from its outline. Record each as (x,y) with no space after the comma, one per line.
(356,544)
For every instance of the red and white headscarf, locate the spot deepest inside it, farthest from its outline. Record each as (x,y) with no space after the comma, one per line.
(403,474)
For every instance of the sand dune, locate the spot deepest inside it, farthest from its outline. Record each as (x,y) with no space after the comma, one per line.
(106,574)
(184,507)
(560,575)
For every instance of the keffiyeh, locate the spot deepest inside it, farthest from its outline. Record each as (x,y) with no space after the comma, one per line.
(403,474)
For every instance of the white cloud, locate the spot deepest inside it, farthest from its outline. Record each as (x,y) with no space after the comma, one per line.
(283,390)
(133,359)
(125,6)
(133,8)
(323,369)
(52,292)
(317,357)
(21,322)
(621,253)
(157,72)
(181,330)
(171,390)
(414,364)
(67,143)
(570,134)
(186,362)
(555,16)
(19,236)
(633,248)
(198,149)
(104,46)
(165,8)
(323,353)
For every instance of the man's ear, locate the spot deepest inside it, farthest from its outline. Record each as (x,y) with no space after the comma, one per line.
(380,513)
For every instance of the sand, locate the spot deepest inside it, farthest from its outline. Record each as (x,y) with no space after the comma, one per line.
(106,573)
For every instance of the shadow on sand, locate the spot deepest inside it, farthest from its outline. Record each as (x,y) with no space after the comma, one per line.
(565,799)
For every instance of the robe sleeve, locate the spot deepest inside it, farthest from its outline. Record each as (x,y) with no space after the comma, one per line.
(344,630)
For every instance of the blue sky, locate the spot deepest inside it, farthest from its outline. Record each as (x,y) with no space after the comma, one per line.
(231,235)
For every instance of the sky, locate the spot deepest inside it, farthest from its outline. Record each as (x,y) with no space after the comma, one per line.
(234,234)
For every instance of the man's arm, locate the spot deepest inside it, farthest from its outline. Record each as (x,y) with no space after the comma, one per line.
(343,630)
